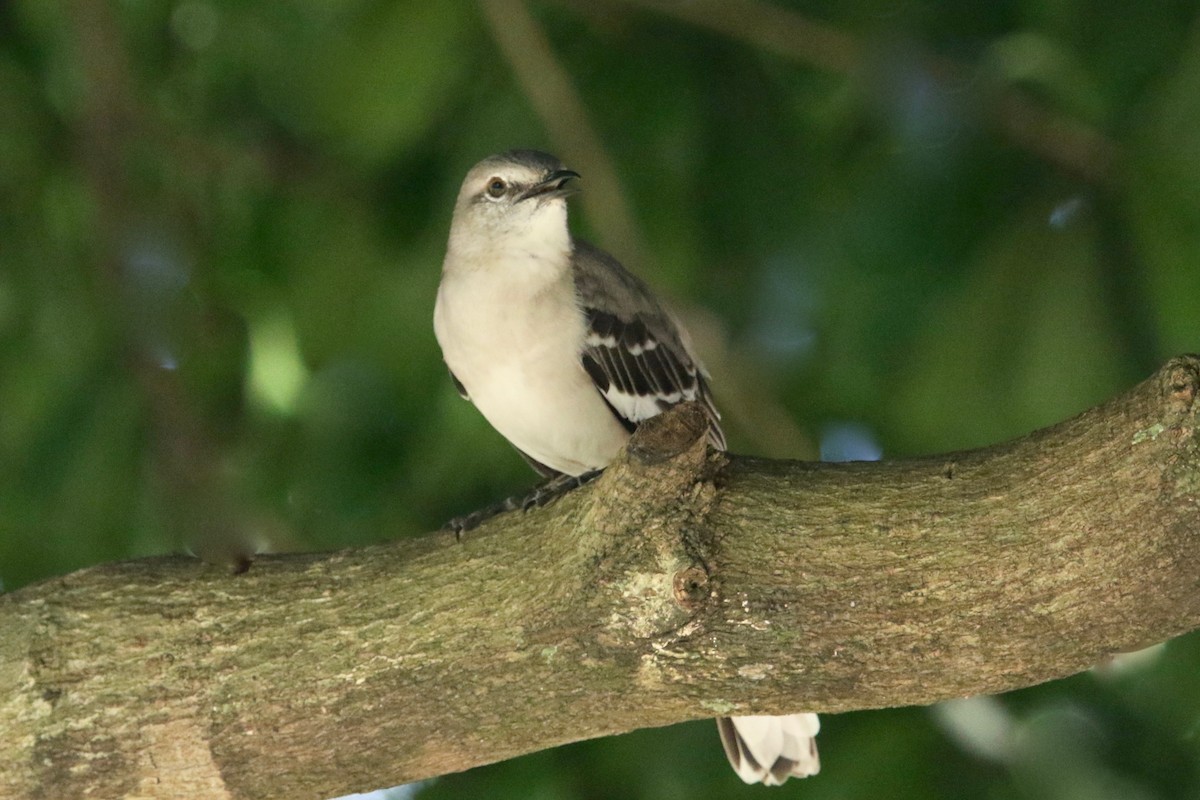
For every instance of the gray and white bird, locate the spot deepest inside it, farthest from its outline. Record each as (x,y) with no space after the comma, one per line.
(564,352)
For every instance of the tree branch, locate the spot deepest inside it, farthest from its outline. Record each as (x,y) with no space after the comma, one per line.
(681,584)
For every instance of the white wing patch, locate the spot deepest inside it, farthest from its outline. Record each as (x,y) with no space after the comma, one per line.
(638,375)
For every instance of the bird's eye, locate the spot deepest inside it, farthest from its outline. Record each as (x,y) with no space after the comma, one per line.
(496,188)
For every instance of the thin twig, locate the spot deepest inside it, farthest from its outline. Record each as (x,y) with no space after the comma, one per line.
(1065,142)
(565,116)
(186,455)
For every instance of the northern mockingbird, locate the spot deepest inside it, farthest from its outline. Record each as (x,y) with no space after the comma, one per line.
(564,352)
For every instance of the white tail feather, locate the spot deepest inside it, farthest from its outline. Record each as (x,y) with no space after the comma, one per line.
(770,750)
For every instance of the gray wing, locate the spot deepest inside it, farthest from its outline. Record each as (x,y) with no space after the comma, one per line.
(636,353)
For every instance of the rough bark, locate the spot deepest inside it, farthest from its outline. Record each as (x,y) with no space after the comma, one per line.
(681,584)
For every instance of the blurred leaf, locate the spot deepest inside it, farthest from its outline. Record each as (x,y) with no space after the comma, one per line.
(1023,342)
(1163,193)
(381,82)
(1048,67)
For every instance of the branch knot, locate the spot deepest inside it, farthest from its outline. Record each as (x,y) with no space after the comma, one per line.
(670,434)
(691,588)
(1180,382)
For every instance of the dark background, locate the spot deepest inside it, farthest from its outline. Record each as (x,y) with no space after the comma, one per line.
(893,227)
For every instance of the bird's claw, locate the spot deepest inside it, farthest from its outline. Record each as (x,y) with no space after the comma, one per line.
(555,488)
(541,495)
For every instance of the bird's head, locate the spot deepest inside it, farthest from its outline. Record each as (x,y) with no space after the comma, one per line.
(513,200)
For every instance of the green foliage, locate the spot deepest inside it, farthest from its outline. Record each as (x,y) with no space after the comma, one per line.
(220,232)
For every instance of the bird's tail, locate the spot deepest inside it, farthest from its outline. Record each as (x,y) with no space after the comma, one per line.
(771,749)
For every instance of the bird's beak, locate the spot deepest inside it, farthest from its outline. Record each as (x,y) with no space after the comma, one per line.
(553,185)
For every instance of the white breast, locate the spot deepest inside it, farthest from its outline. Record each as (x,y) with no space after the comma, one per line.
(512,335)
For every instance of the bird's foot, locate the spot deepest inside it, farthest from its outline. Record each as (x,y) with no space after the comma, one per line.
(466,522)
(542,494)
(553,489)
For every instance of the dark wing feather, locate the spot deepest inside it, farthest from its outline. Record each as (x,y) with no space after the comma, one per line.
(538,467)
(600,377)
(462,390)
(634,351)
